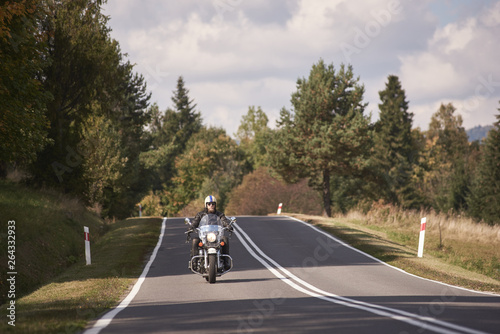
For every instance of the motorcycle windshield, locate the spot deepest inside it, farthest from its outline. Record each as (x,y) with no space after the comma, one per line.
(210,219)
(210,223)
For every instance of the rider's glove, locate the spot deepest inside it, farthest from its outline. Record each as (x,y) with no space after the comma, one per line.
(230,228)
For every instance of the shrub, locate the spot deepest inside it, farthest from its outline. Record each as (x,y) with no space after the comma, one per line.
(260,194)
(151,205)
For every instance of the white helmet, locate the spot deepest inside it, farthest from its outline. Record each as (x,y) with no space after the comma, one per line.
(210,199)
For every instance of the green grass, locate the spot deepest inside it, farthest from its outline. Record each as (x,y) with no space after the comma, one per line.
(83,292)
(48,234)
(55,291)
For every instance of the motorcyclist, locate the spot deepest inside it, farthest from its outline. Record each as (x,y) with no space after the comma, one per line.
(211,207)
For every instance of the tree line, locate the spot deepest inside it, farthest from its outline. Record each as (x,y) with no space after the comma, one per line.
(75,116)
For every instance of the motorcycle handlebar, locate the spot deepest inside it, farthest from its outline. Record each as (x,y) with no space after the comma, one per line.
(188,234)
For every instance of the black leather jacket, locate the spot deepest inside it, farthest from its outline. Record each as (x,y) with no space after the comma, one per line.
(199,215)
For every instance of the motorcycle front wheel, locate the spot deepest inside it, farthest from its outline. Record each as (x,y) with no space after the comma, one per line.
(212,268)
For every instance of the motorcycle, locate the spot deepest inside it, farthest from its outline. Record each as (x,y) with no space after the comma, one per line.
(209,262)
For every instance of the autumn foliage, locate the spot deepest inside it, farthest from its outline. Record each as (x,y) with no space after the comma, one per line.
(260,194)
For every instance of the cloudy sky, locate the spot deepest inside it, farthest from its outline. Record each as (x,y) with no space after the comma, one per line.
(237,53)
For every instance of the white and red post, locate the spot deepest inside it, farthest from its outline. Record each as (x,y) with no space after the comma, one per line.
(422,237)
(279,208)
(87,244)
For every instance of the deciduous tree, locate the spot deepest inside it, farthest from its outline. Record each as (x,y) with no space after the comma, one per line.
(211,164)
(91,86)
(83,64)
(23,125)
(260,194)
(103,162)
(447,178)
(254,135)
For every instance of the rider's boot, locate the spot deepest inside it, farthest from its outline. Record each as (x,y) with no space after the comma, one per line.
(227,263)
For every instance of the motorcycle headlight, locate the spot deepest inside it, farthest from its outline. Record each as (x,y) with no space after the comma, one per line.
(211,237)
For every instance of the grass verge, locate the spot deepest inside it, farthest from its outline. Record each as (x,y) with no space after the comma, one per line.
(83,292)
(48,235)
(468,266)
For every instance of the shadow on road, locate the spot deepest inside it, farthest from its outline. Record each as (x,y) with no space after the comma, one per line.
(294,315)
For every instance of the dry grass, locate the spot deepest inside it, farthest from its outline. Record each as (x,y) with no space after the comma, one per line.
(457,250)
(456,239)
(451,227)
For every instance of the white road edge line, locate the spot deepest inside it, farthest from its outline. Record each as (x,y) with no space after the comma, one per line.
(407,317)
(106,319)
(384,263)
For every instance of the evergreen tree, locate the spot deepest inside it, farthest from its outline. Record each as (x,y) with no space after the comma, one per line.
(395,152)
(327,133)
(484,200)
(170,133)
(187,120)
(130,115)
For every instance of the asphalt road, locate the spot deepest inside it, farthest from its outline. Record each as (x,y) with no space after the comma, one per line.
(290,277)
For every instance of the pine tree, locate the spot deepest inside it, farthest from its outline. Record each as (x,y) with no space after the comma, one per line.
(171,133)
(188,120)
(327,133)
(395,152)
(484,200)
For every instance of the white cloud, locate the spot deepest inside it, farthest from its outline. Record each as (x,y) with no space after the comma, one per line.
(491,16)
(454,37)
(230,100)
(236,53)
(459,65)
(427,76)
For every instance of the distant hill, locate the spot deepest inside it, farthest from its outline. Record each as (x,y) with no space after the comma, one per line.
(478,132)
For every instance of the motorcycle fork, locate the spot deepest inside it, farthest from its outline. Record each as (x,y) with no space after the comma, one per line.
(206,259)
(205,253)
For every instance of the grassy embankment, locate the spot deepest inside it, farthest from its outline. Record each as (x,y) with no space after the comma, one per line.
(55,291)
(457,250)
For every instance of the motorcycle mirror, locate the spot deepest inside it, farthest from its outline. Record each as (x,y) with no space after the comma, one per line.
(187,221)
(233,219)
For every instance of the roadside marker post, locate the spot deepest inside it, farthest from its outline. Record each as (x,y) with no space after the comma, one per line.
(279,208)
(87,244)
(140,210)
(422,237)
